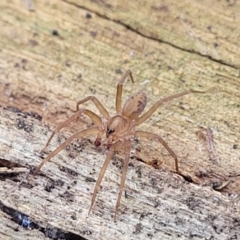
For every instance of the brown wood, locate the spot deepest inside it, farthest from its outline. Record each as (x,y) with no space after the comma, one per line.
(65,50)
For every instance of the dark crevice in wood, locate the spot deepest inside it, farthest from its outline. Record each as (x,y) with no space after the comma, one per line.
(23,114)
(25,221)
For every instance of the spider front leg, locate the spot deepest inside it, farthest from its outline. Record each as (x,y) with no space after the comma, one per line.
(83,133)
(127,149)
(97,103)
(155,136)
(110,153)
(95,118)
(119,90)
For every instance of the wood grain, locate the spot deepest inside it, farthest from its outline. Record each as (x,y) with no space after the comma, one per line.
(157,204)
(65,50)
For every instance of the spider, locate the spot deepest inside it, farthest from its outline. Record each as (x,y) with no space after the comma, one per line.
(119,130)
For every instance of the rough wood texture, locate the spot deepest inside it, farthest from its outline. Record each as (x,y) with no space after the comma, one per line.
(158,205)
(65,50)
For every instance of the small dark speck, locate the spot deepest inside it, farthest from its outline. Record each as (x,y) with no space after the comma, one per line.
(92,90)
(87,232)
(26,185)
(209,28)
(22,125)
(118,71)
(131,164)
(201,174)
(54,32)
(68,196)
(156,203)
(28,128)
(49,187)
(59,182)
(215,185)
(93,33)
(16,65)
(187,178)
(13,109)
(226,123)
(139,172)
(25,114)
(88,15)
(161,8)
(79,76)
(33,42)
(164,8)
(192,203)
(74,217)
(24,60)
(138,228)
(90,179)
(215,45)
(235,146)
(125,194)
(36,116)
(153,181)
(231,2)
(68,170)
(68,64)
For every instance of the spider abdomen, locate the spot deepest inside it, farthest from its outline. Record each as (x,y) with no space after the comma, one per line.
(134,105)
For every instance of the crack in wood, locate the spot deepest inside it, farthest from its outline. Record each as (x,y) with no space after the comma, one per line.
(27,223)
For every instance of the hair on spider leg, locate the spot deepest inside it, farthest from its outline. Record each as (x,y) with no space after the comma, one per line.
(119,130)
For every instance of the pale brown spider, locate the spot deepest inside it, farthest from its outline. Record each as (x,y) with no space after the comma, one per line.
(119,129)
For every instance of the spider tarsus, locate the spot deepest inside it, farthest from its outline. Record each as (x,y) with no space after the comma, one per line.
(44,149)
(89,209)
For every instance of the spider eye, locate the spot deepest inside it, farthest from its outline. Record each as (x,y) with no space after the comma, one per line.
(110,131)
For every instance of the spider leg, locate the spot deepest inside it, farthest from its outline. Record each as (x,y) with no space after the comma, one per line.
(113,147)
(148,114)
(155,136)
(127,149)
(95,118)
(119,90)
(82,133)
(97,103)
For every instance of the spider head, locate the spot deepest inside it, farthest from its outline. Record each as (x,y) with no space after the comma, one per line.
(116,126)
(110,131)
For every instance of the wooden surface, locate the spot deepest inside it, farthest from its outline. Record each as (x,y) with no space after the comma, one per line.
(65,50)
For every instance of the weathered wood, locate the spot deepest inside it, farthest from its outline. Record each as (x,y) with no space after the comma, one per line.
(63,51)
(157,204)
(206,28)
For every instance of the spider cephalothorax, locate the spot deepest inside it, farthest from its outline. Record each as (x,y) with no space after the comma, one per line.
(119,129)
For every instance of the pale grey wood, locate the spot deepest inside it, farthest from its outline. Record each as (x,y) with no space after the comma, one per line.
(159,205)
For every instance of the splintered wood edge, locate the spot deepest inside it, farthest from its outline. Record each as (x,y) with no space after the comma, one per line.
(157,204)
